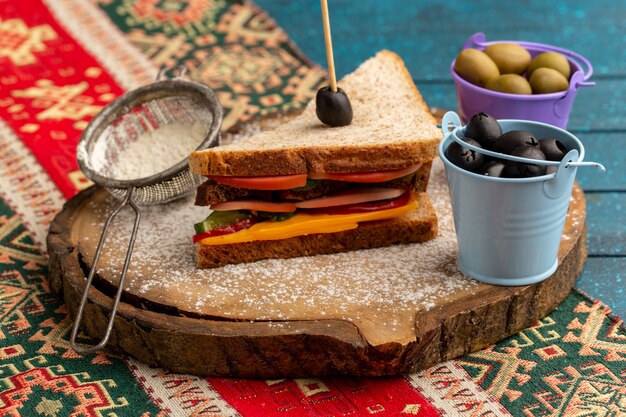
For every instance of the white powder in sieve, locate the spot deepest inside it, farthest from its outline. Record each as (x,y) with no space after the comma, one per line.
(150,153)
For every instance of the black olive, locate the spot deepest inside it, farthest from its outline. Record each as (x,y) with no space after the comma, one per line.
(483,128)
(512,139)
(333,108)
(465,158)
(521,169)
(493,168)
(553,149)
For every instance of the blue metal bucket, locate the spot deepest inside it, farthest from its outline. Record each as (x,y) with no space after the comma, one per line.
(509,229)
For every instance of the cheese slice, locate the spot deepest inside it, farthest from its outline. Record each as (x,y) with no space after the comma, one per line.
(304,224)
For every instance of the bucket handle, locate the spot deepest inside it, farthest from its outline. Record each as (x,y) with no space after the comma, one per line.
(555,187)
(562,106)
(478,39)
(450,125)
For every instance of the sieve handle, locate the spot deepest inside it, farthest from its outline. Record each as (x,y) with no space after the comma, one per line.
(182,70)
(128,200)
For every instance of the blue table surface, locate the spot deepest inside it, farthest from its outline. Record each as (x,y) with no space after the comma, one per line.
(428,34)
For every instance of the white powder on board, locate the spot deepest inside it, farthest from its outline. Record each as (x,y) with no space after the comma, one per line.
(147,154)
(366,286)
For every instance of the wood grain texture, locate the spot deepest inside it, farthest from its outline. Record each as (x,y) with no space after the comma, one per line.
(605,277)
(610,149)
(607,223)
(461,323)
(429,32)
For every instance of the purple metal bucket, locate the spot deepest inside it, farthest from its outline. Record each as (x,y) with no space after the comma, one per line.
(553,108)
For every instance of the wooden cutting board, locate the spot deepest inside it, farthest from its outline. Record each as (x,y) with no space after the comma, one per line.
(373,312)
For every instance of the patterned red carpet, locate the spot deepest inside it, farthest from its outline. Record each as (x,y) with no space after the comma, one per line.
(61,61)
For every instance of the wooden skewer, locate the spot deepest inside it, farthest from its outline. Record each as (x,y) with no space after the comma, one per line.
(329,47)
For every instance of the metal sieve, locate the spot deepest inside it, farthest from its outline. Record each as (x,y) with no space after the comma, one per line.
(137,148)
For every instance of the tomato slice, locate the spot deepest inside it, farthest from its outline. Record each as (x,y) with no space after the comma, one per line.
(232,228)
(271,182)
(361,195)
(256,205)
(373,176)
(365,207)
(287,182)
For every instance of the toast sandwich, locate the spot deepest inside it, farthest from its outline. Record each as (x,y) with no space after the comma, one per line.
(304,188)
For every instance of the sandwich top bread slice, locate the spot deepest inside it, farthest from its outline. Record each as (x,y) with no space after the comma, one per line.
(391,128)
(305,188)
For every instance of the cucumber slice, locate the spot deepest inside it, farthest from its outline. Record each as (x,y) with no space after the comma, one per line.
(310,184)
(219,219)
(277,217)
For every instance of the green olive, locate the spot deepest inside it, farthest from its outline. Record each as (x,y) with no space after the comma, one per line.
(510,58)
(476,67)
(552,60)
(547,80)
(510,83)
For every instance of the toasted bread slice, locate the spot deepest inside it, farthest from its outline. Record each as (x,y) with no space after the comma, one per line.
(418,226)
(392,128)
